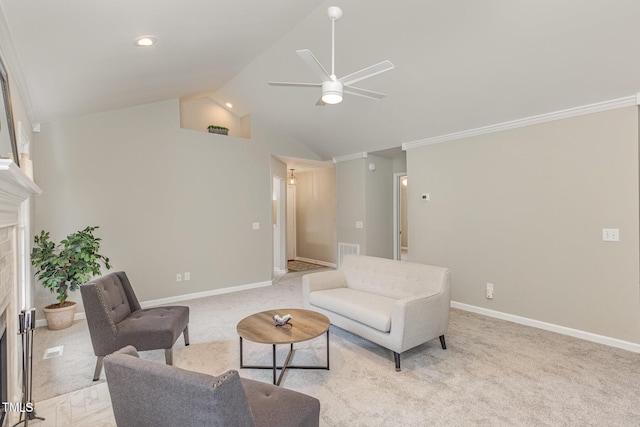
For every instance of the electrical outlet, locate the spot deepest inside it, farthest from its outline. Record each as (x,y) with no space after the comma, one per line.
(178,277)
(489,290)
(187,276)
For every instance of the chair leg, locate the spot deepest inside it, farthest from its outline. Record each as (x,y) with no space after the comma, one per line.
(442,343)
(96,373)
(396,356)
(168,356)
(185,335)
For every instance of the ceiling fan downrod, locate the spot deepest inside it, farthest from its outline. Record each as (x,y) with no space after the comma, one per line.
(334,13)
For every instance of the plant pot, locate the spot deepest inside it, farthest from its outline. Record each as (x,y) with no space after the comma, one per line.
(219,131)
(60,318)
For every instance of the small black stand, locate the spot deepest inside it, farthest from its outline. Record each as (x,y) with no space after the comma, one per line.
(27,321)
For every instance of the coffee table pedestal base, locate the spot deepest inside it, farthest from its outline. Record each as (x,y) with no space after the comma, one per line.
(277,379)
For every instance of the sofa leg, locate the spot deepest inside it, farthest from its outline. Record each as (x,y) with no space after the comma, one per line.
(185,335)
(168,355)
(96,373)
(442,343)
(396,356)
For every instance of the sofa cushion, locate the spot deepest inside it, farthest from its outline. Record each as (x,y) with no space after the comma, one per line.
(153,328)
(392,278)
(371,309)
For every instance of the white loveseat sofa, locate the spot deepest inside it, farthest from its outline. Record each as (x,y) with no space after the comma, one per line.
(396,304)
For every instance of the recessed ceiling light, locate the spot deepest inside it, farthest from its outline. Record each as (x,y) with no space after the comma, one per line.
(145,41)
(228,104)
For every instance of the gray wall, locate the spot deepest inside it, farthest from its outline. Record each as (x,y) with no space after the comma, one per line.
(316,215)
(351,202)
(366,195)
(167,200)
(379,207)
(524,209)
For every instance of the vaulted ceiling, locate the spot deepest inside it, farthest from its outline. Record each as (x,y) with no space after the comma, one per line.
(460,64)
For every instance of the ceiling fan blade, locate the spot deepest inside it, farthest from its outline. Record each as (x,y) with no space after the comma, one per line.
(366,73)
(295,84)
(313,63)
(321,103)
(363,92)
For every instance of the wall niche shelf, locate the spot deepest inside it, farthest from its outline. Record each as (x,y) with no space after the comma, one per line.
(199,114)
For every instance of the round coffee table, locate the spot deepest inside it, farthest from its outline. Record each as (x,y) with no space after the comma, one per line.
(303,326)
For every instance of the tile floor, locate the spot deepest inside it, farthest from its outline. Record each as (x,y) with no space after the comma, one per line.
(90,406)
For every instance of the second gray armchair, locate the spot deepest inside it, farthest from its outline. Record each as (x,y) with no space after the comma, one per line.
(116,319)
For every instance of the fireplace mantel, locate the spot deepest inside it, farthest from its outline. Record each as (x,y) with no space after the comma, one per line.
(15,188)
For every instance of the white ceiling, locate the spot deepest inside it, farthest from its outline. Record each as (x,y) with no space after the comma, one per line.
(460,64)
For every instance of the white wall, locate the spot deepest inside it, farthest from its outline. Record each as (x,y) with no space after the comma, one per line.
(167,200)
(525,208)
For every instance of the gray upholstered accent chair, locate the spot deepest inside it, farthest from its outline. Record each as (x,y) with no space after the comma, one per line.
(145,393)
(116,319)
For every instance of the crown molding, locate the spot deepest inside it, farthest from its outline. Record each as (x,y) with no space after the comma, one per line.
(354,156)
(8,53)
(628,101)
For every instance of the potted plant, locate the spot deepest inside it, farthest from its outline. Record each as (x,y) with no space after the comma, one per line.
(63,267)
(218,129)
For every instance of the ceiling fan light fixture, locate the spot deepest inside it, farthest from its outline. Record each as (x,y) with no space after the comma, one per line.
(332,92)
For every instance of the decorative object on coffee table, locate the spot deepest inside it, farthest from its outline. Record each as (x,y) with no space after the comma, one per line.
(281,321)
(259,328)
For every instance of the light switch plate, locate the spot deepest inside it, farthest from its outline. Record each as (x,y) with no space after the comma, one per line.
(256,226)
(611,234)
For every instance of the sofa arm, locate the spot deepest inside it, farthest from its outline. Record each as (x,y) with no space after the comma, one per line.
(320,281)
(417,319)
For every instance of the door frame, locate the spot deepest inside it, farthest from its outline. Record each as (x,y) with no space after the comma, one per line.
(279,226)
(397,216)
(291,236)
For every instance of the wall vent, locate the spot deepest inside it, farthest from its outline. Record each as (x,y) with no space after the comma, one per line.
(53,352)
(347,249)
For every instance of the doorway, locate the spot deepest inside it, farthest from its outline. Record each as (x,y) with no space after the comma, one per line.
(400,219)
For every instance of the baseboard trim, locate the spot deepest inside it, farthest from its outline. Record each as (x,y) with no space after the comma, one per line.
(315,261)
(576,333)
(180,298)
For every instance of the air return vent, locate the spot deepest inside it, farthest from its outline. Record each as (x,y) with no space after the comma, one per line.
(53,352)
(347,249)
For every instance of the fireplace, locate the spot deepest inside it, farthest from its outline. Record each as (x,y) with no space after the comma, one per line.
(4,389)
(15,189)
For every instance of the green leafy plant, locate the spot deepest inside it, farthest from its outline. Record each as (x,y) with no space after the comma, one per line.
(63,267)
(217,127)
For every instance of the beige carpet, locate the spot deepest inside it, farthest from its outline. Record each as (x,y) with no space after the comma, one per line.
(493,372)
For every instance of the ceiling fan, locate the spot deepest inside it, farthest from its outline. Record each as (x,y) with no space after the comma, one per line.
(332,87)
